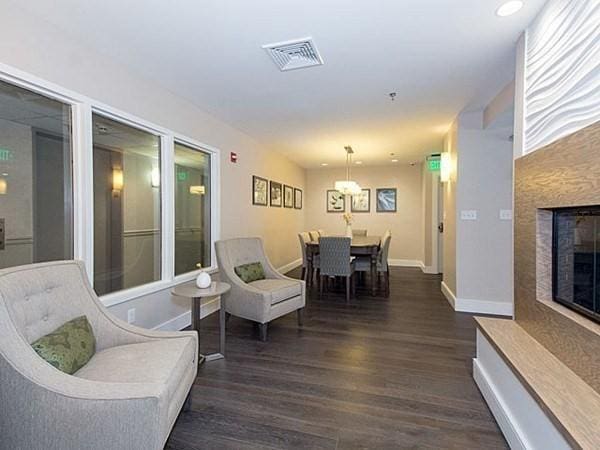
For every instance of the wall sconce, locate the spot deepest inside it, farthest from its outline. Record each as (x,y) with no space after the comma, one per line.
(3,186)
(197,190)
(117,179)
(445,167)
(155,177)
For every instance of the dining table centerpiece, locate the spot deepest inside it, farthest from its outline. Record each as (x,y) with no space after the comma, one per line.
(348,219)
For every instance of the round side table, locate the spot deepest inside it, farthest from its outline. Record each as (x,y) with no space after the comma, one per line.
(197,295)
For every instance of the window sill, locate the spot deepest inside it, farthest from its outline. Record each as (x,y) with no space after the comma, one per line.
(116,298)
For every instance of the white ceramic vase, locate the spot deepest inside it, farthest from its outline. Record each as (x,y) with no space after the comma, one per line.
(348,230)
(203,280)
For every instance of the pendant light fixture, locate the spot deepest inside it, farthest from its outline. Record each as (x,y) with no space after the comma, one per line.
(348,187)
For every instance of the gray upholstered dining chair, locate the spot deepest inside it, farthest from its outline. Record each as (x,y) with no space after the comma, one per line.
(359,232)
(261,300)
(314,235)
(304,237)
(363,264)
(127,396)
(336,262)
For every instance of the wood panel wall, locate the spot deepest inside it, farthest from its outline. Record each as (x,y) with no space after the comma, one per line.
(564,173)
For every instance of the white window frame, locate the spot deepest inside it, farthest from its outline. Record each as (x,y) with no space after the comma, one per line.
(82,108)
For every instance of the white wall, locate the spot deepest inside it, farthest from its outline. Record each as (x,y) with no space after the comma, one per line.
(561,71)
(33,46)
(484,246)
(478,253)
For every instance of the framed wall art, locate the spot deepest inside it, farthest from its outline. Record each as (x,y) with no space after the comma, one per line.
(260,191)
(336,201)
(386,200)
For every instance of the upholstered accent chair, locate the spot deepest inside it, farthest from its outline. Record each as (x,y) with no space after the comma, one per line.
(359,233)
(262,300)
(304,237)
(321,233)
(127,396)
(336,262)
(363,264)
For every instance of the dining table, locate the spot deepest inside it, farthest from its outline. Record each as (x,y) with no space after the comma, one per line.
(359,246)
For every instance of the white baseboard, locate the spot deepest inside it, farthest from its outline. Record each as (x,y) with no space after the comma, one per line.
(429,269)
(405,263)
(475,306)
(184,320)
(448,294)
(522,421)
(290,266)
(483,307)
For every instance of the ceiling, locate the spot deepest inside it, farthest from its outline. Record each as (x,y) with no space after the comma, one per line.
(439,56)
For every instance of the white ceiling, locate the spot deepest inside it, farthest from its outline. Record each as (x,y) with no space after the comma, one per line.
(440,56)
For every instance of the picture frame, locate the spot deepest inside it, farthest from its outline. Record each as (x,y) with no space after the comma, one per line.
(361,203)
(288,196)
(260,191)
(297,198)
(386,199)
(276,193)
(336,201)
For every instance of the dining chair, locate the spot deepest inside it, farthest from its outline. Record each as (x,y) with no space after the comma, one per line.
(314,235)
(359,233)
(304,238)
(336,262)
(363,264)
(321,233)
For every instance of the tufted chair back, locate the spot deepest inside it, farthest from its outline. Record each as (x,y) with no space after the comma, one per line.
(41,297)
(334,255)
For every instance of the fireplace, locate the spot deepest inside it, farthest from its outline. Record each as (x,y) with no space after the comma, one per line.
(576,259)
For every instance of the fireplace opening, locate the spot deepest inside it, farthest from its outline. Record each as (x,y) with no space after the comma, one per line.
(576,259)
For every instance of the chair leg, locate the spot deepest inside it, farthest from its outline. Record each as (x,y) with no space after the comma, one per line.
(354,277)
(187,405)
(348,289)
(303,276)
(387,283)
(262,327)
(300,314)
(227,317)
(321,282)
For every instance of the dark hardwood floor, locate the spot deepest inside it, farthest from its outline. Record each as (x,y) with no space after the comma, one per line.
(378,373)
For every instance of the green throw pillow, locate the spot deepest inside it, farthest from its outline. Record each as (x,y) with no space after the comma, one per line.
(250,272)
(69,347)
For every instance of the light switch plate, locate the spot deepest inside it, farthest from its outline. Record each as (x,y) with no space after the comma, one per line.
(506,214)
(131,315)
(468,214)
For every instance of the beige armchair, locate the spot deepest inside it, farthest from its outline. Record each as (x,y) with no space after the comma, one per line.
(126,397)
(262,300)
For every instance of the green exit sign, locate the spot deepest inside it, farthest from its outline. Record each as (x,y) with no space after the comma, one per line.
(434,165)
(5,155)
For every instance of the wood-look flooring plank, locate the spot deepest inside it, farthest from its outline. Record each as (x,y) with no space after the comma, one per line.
(379,373)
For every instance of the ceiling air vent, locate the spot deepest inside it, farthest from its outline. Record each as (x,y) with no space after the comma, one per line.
(296,54)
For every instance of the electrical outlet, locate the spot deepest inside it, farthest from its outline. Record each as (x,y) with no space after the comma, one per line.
(131,315)
(468,214)
(506,214)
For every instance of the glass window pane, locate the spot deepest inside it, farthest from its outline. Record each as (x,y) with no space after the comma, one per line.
(126,206)
(192,209)
(36,221)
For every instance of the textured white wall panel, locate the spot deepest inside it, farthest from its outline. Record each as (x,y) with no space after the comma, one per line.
(562,71)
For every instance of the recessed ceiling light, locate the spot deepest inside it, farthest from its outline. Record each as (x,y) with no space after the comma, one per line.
(324,164)
(509,8)
(358,162)
(394,160)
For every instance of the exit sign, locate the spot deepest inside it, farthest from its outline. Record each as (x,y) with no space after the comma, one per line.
(5,155)
(434,165)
